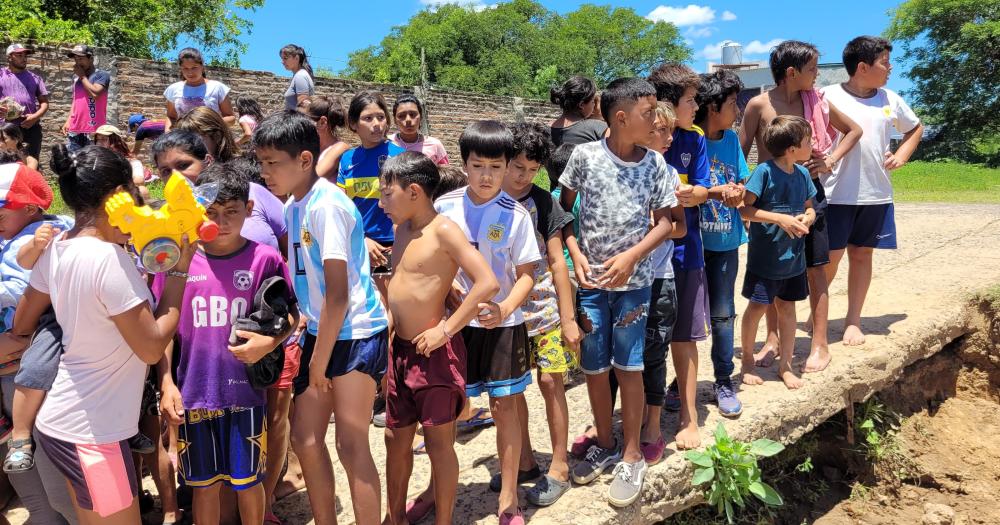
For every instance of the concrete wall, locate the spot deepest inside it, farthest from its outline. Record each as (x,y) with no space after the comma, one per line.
(137,87)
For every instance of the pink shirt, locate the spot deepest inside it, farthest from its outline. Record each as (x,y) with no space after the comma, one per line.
(429,146)
(89,113)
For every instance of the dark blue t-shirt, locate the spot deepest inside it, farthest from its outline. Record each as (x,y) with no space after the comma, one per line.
(772,254)
(689,156)
(358,176)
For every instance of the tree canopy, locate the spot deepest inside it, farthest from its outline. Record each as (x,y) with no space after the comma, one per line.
(953,49)
(517,48)
(138,28)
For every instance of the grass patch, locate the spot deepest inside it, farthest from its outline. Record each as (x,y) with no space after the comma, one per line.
(946,182)
(59,206)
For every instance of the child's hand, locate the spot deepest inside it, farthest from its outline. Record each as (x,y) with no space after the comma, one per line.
(376,253)
(733,196)
(793,226)
(804,219)
(256,347)
(492,313)
(582,271)
(892,162)
(431,339)
(317,377)
(685,195)
(620,269)
(43,235)
(171,404)
(188,249)
(572,336)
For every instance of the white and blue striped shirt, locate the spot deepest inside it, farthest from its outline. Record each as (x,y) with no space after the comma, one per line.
(326,225)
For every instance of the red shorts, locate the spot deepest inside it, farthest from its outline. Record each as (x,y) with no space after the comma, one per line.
(428,390)
(293,357)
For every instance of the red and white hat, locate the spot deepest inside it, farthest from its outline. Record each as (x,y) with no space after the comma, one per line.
(22,186)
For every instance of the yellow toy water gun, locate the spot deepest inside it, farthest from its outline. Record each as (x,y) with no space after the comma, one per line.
(156,234)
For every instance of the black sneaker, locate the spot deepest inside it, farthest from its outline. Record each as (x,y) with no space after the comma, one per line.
(140,444)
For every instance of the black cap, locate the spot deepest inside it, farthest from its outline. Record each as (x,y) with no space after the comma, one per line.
(81,50)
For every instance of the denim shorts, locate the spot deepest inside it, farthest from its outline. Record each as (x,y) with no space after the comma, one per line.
(615,327)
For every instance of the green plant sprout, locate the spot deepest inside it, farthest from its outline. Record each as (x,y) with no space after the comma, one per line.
(729,468)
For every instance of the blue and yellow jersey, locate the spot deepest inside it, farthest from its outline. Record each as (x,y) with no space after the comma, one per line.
(358,176)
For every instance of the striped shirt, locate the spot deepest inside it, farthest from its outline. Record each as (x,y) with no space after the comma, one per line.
(502,231)
(326,225)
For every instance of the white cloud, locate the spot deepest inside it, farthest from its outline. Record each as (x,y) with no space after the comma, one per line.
(761,48)
(700,32)
(475,5)
(755,47)
(690,15)
(728,16)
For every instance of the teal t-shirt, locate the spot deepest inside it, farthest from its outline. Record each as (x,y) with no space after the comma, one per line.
(576,226)
(721,227)
(772,254)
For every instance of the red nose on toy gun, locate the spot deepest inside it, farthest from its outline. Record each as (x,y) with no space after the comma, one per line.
(156,234)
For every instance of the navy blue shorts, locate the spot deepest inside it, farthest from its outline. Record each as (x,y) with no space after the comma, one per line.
(227,445)
(369,355)
(868,226)
(765,291)
(818,241)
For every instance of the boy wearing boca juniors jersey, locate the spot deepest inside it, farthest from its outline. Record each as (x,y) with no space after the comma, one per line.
(221,417)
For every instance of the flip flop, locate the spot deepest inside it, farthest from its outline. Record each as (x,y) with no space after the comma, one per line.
(476,421)
(418,509)
(420,447)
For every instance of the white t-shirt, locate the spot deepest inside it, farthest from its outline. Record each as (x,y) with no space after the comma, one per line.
(501,229)
(326,225)
(185,97)
(98,387)
(861,177)
(663,267)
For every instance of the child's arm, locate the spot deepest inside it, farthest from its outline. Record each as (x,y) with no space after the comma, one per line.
(911,140)
(28,255)
(696,191)
(247,134)
(852,134)
(620,267)
(581,267)
(678,221)
(564,291)
(792,226)
(330,321)
(749,126)
(171,402)
(518,294)
(484,288)
(259,345)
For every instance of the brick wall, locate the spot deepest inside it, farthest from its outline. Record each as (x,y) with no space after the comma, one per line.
(137,87)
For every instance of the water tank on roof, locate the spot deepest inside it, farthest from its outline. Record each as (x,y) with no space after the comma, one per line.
(732,53)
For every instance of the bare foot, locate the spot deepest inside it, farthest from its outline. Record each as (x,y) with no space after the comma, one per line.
(809,324)
(748,372)
(688,436)
(792,381)
(292,481)
(765,358)
(853,336)
(818,359)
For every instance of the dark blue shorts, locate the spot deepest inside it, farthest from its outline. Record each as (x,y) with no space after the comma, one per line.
(227,445)
(868,226)
(765,291)
(818,240)
(369,355)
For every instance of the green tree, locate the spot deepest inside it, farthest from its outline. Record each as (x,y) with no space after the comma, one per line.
(517,47)
(138,28)
(953,49)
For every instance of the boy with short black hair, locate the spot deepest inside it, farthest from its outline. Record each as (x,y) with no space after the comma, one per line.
(620,184)
(795,66)
(222,418)
(426,382)
(778,204)
(497,339)
(549,312)
(344,350)
(859,189)
(722,230)
(678,85)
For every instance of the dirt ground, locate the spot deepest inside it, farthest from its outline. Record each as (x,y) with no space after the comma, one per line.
(909,304)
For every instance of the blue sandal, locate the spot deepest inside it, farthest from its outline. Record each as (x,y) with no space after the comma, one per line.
(476,421)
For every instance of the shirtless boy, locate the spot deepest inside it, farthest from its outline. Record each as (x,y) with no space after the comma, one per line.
(427,359)
(795,66)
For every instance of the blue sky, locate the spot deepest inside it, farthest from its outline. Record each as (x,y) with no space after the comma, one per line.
(329,30)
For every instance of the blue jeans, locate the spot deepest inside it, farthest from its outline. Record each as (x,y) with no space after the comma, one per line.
(615,326)
(720,273)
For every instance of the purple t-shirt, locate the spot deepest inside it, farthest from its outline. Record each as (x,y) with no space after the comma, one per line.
(266,223)
(25,88)
(219,290)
